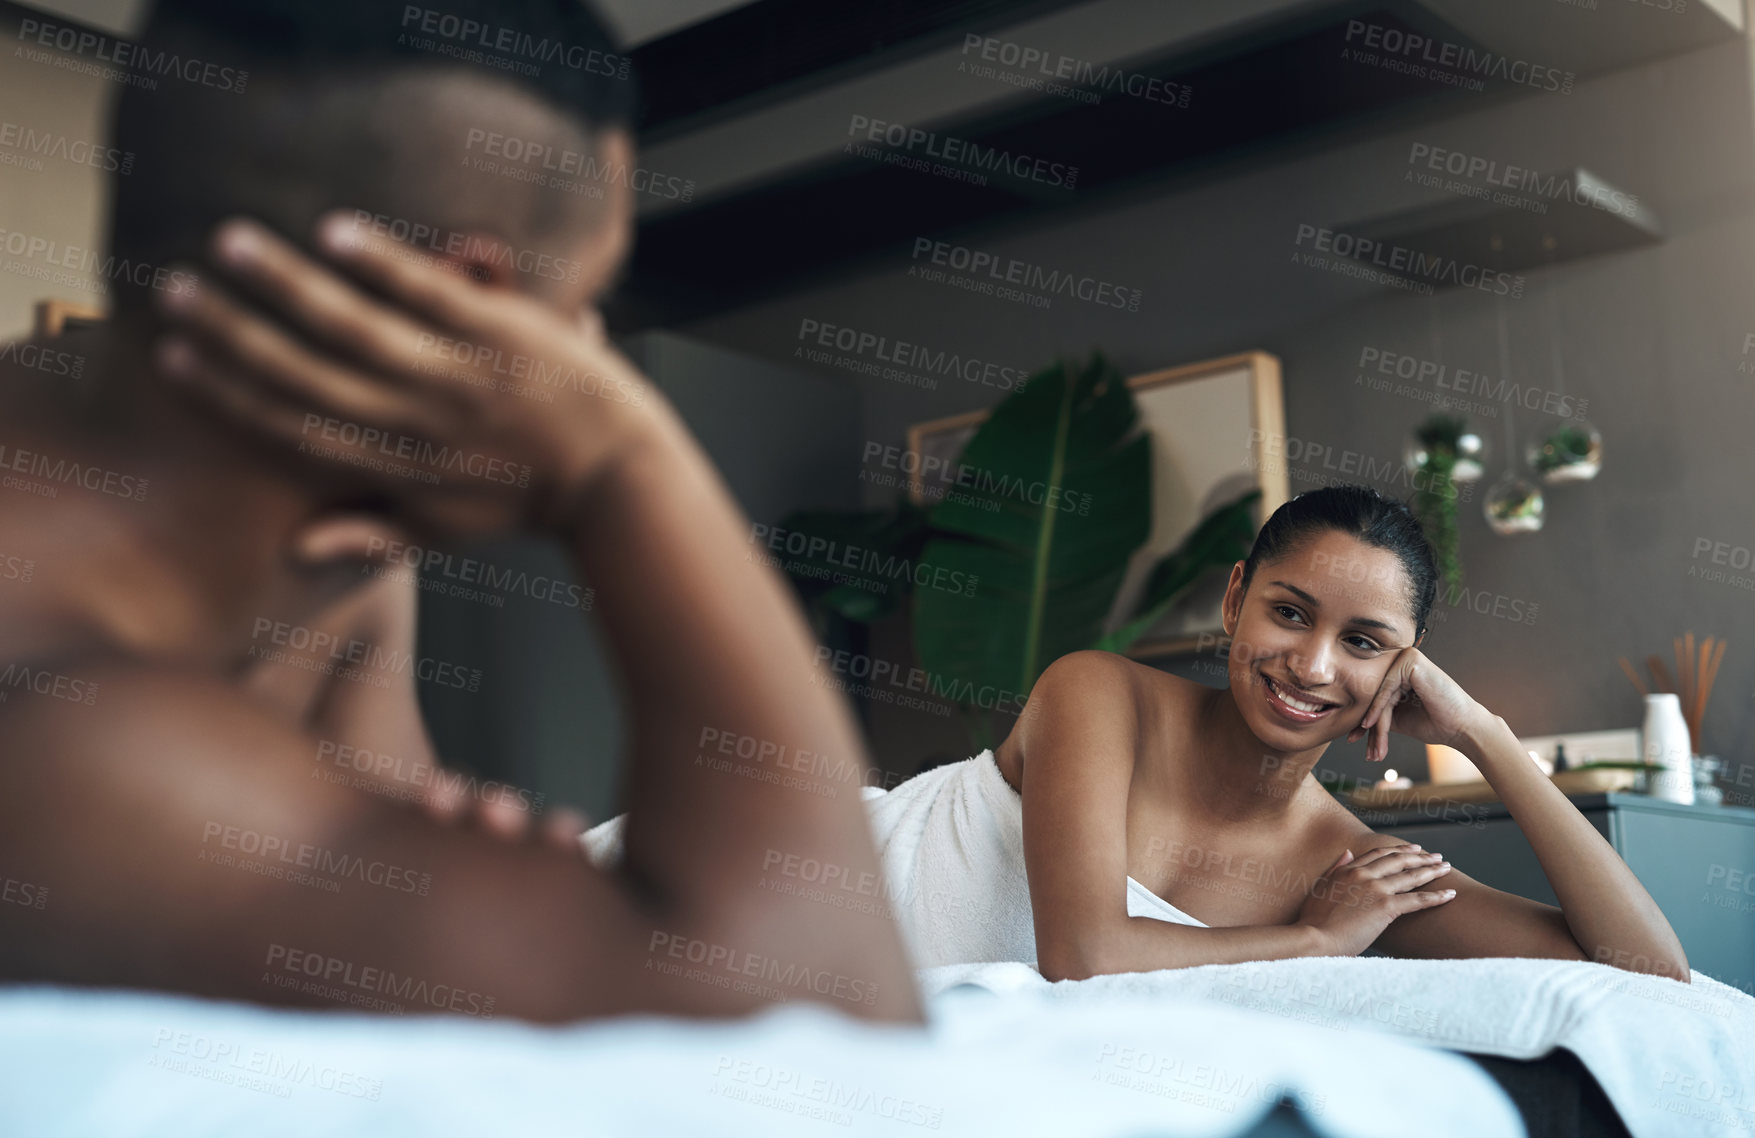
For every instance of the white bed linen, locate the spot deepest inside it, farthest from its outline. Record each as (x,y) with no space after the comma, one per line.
(120,1065)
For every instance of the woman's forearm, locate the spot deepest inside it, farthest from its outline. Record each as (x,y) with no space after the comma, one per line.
(1611,916)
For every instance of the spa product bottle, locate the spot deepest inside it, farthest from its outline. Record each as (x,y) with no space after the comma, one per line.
(1666,744)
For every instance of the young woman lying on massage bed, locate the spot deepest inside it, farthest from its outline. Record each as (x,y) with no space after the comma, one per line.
(1205,796)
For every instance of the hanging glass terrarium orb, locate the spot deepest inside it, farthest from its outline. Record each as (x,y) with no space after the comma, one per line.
(1471,457)
(1470,452)
(1571,452)
(1514,506)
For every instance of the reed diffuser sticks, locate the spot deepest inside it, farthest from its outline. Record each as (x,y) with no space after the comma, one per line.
(1696,669)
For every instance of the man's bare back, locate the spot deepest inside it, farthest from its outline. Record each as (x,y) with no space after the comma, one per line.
(171,816)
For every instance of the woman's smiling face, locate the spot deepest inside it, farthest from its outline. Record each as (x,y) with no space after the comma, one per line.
(1314,636)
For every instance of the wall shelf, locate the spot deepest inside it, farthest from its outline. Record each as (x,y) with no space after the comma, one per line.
(1534,222)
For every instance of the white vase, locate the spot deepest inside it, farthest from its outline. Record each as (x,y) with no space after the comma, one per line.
(1666,744)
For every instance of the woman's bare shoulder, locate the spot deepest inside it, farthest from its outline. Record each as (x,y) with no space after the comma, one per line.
(1090,694)
(1109,675)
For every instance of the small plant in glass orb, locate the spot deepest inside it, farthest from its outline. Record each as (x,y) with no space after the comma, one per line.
(1514,506)
(1447,439)
(1570,453)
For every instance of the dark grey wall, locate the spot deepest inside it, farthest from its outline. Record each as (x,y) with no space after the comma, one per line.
(547,716)
(1653,339)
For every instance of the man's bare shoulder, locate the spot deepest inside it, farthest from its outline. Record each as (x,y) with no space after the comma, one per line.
(84,733)
(77,695)
(125,784)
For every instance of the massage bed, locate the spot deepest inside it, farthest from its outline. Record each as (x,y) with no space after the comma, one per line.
(1338,1047)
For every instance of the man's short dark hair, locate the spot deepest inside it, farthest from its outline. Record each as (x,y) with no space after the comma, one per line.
(340,104)
(558,50)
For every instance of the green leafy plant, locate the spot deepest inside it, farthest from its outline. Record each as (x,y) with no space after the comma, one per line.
(1435,495)
(1021,564)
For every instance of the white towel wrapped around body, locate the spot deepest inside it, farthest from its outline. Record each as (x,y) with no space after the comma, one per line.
(951,841)
(952,846)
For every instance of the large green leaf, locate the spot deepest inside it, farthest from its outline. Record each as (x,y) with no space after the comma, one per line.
(1054,496)
(1221,539)
(857,564)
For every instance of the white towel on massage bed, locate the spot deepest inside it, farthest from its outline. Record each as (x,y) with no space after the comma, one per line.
(1674,1059)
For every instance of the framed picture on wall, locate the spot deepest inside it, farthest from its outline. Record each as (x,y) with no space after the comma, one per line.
(1208,423)
(55,317)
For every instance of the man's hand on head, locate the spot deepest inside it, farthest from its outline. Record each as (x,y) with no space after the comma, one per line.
(473,410)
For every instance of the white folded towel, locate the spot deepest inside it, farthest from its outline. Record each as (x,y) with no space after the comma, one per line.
(951,841)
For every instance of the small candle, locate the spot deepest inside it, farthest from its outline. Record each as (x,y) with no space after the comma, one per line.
(1391,780)
(1448,764)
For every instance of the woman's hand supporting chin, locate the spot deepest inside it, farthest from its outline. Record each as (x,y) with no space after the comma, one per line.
(1423,703)
(1610,916)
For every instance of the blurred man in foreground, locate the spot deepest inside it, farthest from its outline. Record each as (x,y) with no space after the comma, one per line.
(428,358)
